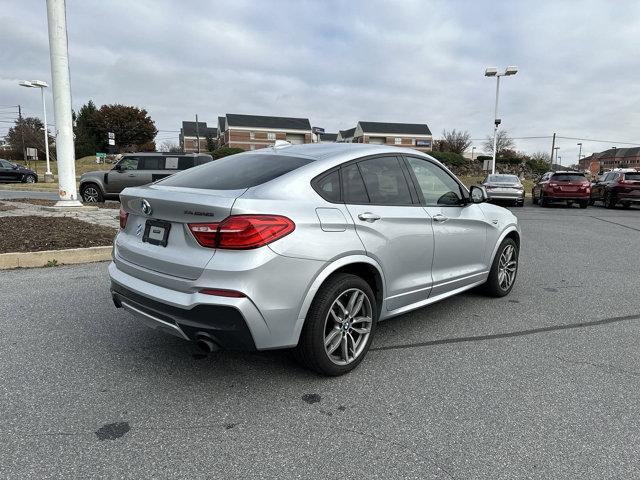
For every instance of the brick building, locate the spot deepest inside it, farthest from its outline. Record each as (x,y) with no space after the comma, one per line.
(611,158)
(251,132)
(189,134)
(412,135)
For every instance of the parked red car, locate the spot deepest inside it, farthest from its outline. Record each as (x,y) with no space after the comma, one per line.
(617,187)
(569,187)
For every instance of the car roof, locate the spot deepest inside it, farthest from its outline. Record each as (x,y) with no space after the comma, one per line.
(165,154)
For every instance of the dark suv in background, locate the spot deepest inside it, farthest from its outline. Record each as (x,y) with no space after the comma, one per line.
(134,170)
(569,187)
(12,172)
(617,187)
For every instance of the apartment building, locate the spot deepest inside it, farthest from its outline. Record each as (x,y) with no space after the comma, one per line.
(412,135)
(191,132)
(251,132)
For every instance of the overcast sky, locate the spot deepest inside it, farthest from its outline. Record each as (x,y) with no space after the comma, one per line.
(337,62)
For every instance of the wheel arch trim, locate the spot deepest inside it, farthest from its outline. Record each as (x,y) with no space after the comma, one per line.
(325,273)
(503,235)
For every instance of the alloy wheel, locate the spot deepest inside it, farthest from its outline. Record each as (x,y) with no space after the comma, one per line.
(507,267)
(30,179)
(90,195)
(347,326)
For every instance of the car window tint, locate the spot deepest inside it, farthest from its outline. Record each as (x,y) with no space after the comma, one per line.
(183,162)
(385,182)
(568,177)
(437,186)
(152,163)
(5,164)
(354,190)
(129,163)
(328,186)
(632,176)
(234,172)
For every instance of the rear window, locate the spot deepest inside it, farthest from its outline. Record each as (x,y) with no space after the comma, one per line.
(632,176)
(503,179)
(235,172)
(568,177)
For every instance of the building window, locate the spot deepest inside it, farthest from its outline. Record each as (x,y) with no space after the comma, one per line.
(398,141)
(252,135)
(271,136)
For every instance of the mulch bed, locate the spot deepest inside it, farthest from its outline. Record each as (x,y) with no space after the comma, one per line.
(33,234)
(50,203)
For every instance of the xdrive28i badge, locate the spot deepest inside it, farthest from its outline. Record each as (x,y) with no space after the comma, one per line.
(146,207)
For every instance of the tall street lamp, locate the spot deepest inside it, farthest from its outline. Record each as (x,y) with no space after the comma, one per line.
(493,72)
(556,162)
(48,176)
(473,150)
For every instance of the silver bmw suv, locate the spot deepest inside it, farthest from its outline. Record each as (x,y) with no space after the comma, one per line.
(306,247)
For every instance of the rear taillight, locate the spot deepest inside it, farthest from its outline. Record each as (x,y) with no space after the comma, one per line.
(622,181)
(221,292)
(242,232)
(123,218)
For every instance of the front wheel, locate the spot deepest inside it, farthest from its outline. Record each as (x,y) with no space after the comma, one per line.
(339,326)
(609,201)
(504,269)
(91,193)
(29,179)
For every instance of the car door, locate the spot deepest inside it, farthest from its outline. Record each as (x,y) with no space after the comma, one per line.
(6,171)
(598,188)
(459,227)
(124,174)
(153,168)
(394,229)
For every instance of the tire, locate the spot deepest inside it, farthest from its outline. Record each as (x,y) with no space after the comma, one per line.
(29,179)
(543,201)
(626,205)
(591,201)
(609,201)
(534,200)
(326,322)
(496,285)
(91,193)
(520,203)
(584,203)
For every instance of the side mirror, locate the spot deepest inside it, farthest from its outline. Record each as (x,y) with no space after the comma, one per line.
(117,167)
(478,194)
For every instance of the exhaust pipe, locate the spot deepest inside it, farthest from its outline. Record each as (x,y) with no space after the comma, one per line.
(206,344)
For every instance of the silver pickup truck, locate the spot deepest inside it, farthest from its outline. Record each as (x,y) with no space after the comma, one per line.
(133,170)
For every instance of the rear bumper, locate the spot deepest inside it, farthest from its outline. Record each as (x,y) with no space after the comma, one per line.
(563,197)
(224,325)
(506,196)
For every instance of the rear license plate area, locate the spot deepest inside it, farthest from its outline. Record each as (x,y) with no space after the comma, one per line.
(156,232)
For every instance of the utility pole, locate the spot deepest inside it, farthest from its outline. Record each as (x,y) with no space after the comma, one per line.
(579,153)
(198,133)
(553,147)
(61,82)
(24,149)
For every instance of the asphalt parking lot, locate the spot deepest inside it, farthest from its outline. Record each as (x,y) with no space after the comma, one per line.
(544,383)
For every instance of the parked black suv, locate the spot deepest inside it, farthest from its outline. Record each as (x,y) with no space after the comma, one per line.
(12,172)
(134,170)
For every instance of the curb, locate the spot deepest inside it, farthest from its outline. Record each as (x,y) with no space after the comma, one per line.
(59,257)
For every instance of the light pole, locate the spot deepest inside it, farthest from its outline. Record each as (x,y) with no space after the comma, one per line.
(473,150)
(61,86)
(556,162)
(48,176)
(579,152)
(493,72)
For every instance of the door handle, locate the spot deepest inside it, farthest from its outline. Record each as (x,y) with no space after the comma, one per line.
(369,217)
(440,218)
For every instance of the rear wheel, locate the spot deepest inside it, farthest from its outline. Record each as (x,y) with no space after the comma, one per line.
(584,203)
(91,193)
(534,200)
(609,201)
(504,269)
(626,205)
(543,201)
(591,201)
(339,326)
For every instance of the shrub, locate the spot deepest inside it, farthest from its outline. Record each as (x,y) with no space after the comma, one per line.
(225,152)
(449,158)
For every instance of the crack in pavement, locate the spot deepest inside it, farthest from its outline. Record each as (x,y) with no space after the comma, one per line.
(600,366)
(520,333)
(616,223)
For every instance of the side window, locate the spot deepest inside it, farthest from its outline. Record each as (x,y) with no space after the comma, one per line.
(353,185)
(437,186)
(152,163)
(5,164)
(385,182)
(328,186)
(129,163)
(183,162)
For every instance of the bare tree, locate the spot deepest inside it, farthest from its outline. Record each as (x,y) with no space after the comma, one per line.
(455,141)
(503,143)
(541,156)
(169,146)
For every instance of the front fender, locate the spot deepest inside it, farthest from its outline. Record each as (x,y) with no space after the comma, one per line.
(323,275)
(513,227)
